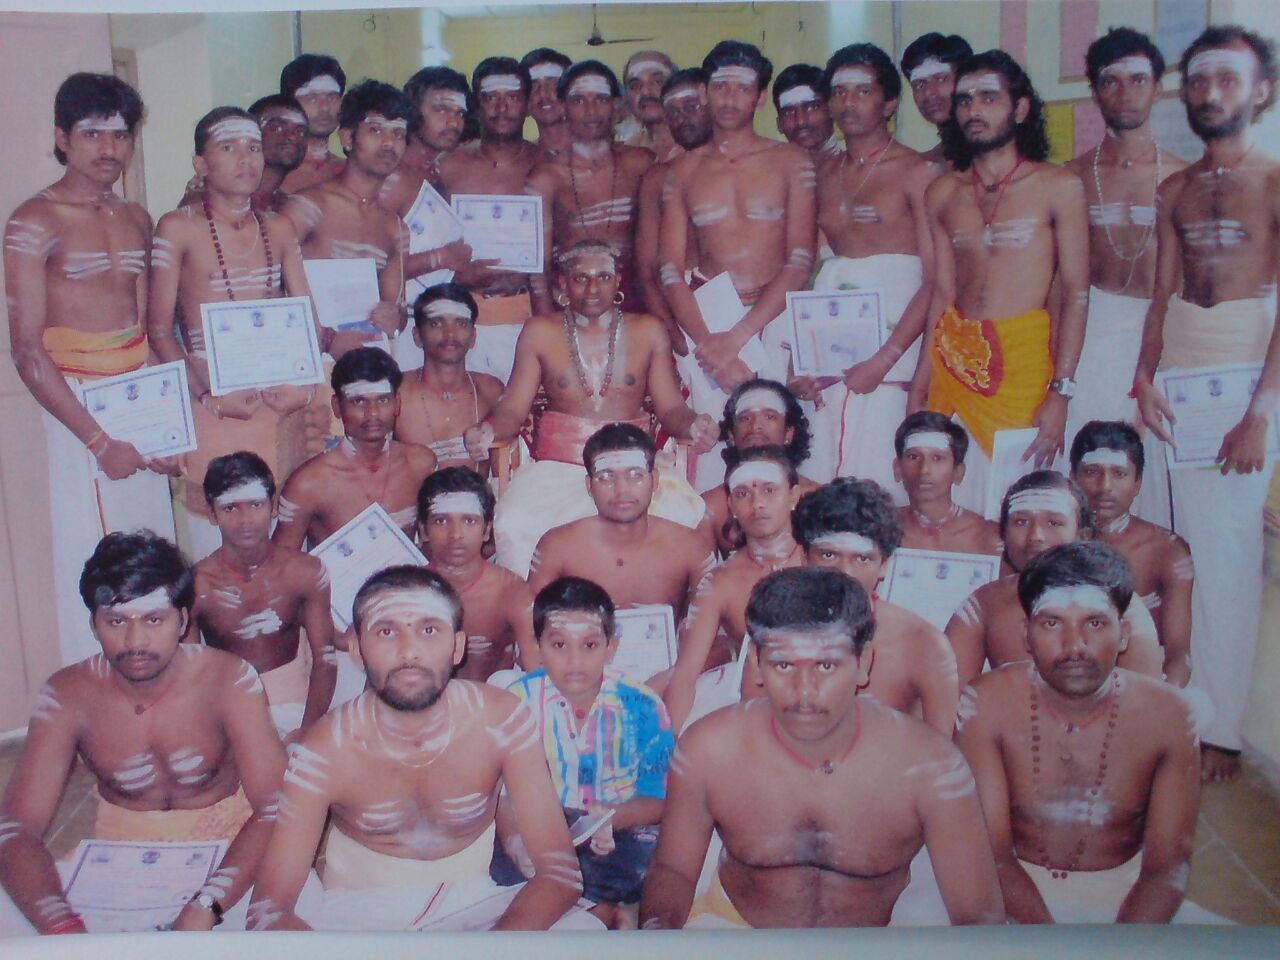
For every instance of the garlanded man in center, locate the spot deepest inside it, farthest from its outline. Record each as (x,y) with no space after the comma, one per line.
(597,365)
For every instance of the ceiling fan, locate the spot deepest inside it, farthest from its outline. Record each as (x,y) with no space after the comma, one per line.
(596,39)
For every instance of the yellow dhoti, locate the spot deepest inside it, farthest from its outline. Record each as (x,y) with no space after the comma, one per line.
(714,909)
(221,821)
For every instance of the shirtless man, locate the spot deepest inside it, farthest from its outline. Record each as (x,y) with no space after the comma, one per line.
(645,74)
(1107,462)
(498,164)
(1120,177)
(1003,213)
(317,82)
(340,219)
(455,520)
(590,191)
(763,489)
(684,100)
(177,737)
(545,68)
(851,525)
(75,259)
(215,251)
(1090,821)
(368,466)
(929,64)
(1217,225)
(284,144)
(253,596)
(778,776)
(596,365)
(871,210)
(750,202)
(930,462)
(409,775)
(637,558)
(445,398)
(1040,511)
(758,413)
(800,97)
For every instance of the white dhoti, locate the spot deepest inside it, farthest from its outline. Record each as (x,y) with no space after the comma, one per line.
(83,511)
(286,687)
(852,432)
(498,327)
(1221,518)
(1095,896)
(1113,337)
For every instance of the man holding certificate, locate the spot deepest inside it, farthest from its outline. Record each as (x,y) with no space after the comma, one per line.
(75,266)
(1218,235)
(223,256)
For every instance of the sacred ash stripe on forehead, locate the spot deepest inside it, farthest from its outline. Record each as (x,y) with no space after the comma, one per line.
(590,83)
(756,471)
(760,398)
(846,541)
(500,83)
(293,116)
(736,75)
(1134,63)
(976,83)
(1086,596)
(800,94)
(458,502)
(545,71)
(249,490)
(323,83)
(113,122)
(681,93)
(929,67)
(1206,61)
(1107,456)
(153,602)
(1044,499)
(620,460)
(235,128)
(853,77)
(448,308)
(367,388)
(450,98)
(931,439)
(640,65)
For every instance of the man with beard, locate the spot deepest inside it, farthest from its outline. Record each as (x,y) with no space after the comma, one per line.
(684,100)
(929,64)
(1217,225)
(644,76)
(589,192)
(176,735)
(317,82)
(777,776)
(545,67)
(1087,771)
(408,776)
(871,210)
(996,358)
(340,218)
(750,202)
(497,164)
(1040,511)
(75,272)
(800,97)
(1120,177)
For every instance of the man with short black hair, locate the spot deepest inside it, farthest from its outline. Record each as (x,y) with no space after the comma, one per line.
(800,98)
(317,82)
(545,68)
(643,76)
(929,64)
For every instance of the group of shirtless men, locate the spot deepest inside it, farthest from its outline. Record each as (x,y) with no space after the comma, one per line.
(1040,748)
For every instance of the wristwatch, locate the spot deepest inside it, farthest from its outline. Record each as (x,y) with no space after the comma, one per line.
(1064,387)
(206,901)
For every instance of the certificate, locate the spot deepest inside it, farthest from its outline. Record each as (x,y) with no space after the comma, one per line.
(646,640)
(344,292)
(933,583)
(120,887)
(367,543)
(149,407)
(1007,466)
(1208,402)
(432,224)
(721,309)
(503,228)
(831,330)
(260,343)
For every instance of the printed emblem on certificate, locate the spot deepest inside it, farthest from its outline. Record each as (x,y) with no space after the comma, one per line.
(149,407)
(260,343)
(503,228)
(367,543)
(1207,403)
(831,330)
(646,640)
(126,887)
(933,583)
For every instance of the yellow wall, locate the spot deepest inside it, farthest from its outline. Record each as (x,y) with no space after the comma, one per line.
(377,44)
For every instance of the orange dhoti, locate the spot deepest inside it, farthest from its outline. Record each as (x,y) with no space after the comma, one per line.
(993,373)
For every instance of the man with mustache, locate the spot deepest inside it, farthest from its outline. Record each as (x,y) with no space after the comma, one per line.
(994,356)
(1217,228)
(75,272)
(929,64)
(645,74)
(1088,773)
(341,218)
(800,97)
(777,776)
(176,735)
(408,776)
(546,67)
(284,144)
(317,82)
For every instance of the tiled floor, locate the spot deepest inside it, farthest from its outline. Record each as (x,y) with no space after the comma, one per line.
(1235,871)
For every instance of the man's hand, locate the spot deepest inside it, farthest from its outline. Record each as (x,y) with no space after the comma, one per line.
(344,341)
(174,466)
(455,256)
(870,373)
(805,388)
(1051,422)
(119,459)
(236,405)
(717,353)
(387,317)
(478,438)
(1155,411)
(1244,448)
(482,275)
(704,432)
(194,917)
(285,398)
